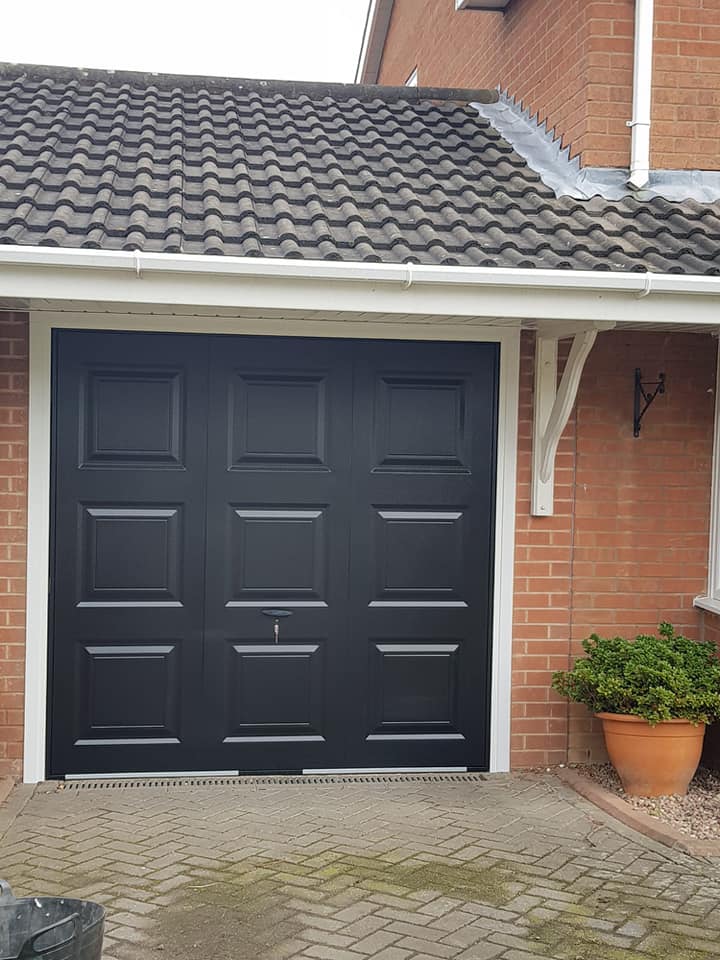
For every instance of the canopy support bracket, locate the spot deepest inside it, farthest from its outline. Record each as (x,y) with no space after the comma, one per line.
(553,404)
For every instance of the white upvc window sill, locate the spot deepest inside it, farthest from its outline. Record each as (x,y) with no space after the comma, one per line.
(711,604)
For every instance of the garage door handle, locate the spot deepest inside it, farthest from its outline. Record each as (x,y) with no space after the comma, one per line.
(276,615)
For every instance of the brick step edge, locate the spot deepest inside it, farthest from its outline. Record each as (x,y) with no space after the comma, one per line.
(642,822)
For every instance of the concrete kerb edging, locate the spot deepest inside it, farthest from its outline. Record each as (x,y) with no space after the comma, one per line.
(6,785)
(635,819)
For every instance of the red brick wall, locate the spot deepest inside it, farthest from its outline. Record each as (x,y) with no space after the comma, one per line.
(535,51)
(542,614)
(570,61)
(627,547)
(13,538)
(686,81)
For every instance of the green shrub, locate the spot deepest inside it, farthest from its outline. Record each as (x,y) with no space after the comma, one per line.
(658,678)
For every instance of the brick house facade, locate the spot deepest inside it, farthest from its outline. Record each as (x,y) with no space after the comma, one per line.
(628,543)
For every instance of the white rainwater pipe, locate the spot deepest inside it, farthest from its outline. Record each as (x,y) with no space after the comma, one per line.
(642,95)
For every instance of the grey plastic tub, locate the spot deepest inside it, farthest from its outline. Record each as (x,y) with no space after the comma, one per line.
(54,928)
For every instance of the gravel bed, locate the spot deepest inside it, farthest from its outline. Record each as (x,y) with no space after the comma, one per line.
(697,814)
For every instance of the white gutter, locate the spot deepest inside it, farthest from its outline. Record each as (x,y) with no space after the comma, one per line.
(41,276)
(145,265)
(642,95)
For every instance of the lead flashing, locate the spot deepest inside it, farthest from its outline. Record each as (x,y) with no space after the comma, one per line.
(542,149)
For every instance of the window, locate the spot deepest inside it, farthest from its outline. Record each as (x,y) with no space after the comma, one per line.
(412,79)
(711,600)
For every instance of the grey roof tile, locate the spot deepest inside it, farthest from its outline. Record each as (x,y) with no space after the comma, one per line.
(210,166)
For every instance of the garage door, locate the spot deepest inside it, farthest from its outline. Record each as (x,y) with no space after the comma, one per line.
(270,554)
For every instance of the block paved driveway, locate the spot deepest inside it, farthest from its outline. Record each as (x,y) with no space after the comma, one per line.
(510,867)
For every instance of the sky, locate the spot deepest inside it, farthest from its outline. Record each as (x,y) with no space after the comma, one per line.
(264,39)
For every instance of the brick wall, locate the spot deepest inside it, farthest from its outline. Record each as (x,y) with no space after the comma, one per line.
(13,539)
(570,61)
(535,50)
(542,615)
(686,81)
(627,546)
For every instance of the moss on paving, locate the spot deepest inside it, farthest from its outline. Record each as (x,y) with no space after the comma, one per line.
(486,883)
(569,938)
(239,910)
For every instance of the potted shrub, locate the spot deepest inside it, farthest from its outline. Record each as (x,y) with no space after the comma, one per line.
(654,696)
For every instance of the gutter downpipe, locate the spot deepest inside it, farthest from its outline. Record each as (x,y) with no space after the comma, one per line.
(642,95)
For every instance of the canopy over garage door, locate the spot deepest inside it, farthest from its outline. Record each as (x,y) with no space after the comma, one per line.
(204,481)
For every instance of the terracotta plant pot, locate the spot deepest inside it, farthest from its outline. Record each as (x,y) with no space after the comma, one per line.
(652,761)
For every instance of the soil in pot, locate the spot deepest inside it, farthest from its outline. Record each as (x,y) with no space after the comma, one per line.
(653,761)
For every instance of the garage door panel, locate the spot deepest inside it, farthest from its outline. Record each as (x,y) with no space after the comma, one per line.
(277,554)
(107,672)
(414,688)
(420,576)
(130,555)
(279,515)
(275,692)
(130,421)
(418,555)
(277,419)
(421,423)
(132,417)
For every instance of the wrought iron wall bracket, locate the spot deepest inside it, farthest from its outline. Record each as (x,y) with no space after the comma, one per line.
(644,396)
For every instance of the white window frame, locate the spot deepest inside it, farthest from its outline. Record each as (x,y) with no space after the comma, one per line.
(711,600)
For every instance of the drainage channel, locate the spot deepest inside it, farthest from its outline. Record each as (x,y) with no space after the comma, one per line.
(300,781)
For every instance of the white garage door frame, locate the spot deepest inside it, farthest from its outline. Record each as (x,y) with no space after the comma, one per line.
(42,325)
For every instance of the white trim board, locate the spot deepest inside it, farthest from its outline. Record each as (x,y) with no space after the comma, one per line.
(39,489)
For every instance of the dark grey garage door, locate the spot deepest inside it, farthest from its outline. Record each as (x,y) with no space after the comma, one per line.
(203,481)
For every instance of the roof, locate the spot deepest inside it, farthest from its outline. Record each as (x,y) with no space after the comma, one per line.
(342,172)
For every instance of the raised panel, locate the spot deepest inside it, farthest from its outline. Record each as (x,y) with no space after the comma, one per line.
(277,420)
(421,424)
(127,693)
(418,558)
(130,556)
(132,418)
(274,692)
(413,691)
(277,555)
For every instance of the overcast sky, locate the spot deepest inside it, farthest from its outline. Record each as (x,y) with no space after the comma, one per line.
(268,39)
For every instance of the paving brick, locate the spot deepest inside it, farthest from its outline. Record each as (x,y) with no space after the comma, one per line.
(630,896)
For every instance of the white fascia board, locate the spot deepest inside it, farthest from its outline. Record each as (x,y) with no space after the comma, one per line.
(373,44)
(57,274)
